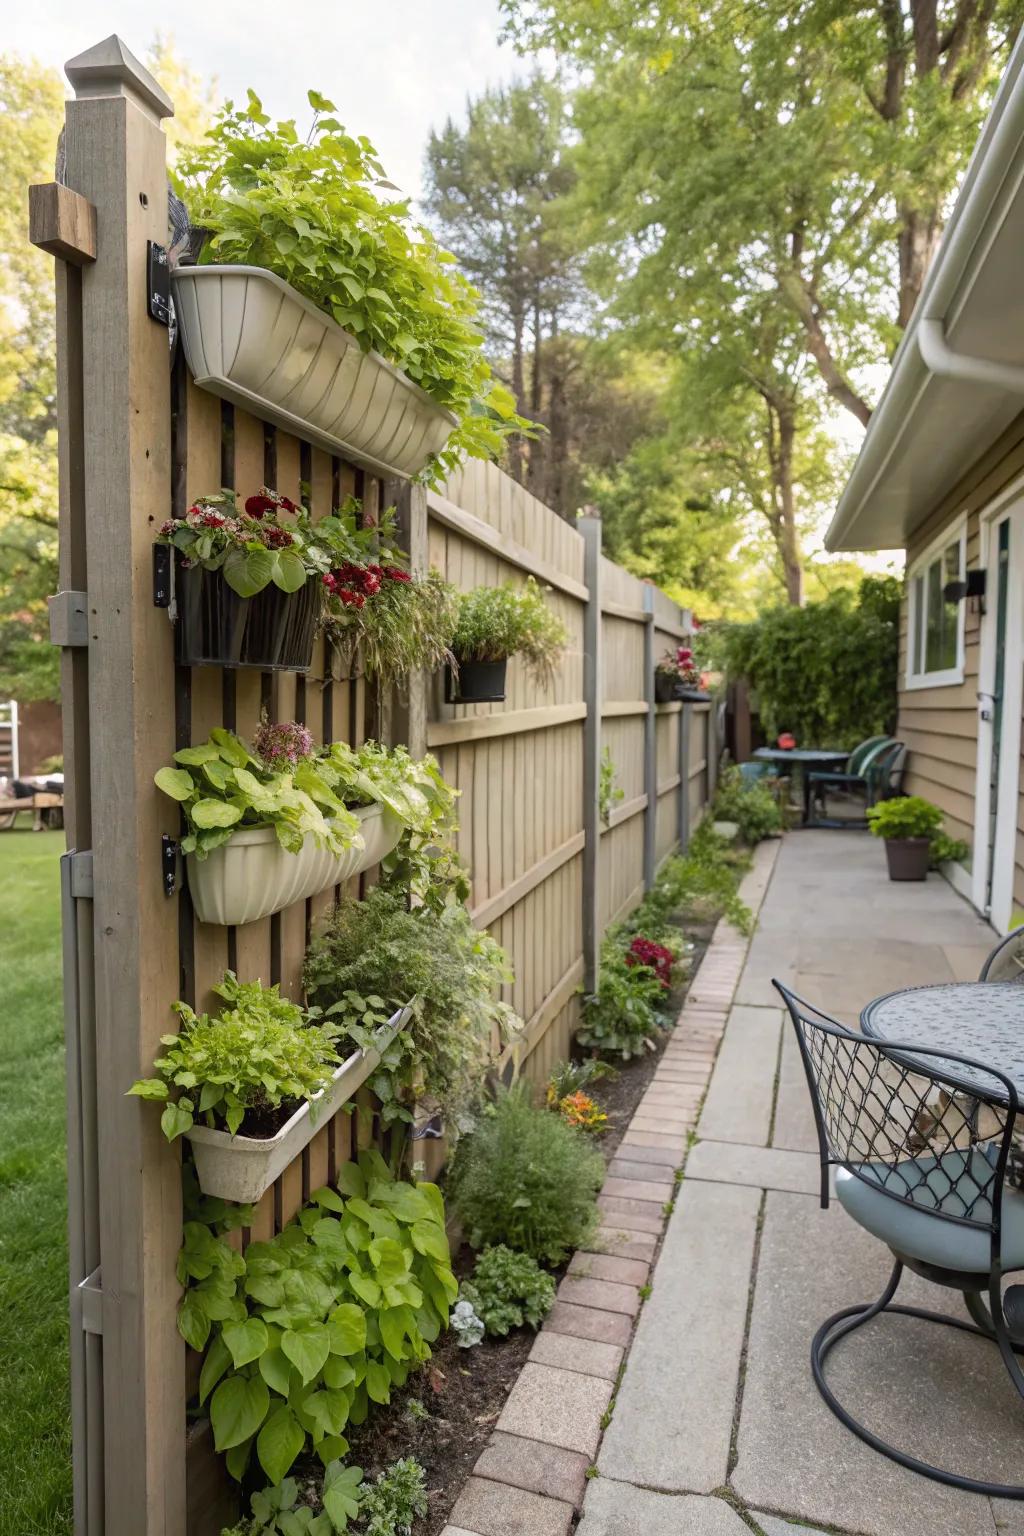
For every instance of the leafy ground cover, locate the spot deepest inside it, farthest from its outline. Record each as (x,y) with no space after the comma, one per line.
(35,1440)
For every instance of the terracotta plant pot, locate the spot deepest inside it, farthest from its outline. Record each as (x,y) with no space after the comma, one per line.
(273,631)
(908,857)
(476,682)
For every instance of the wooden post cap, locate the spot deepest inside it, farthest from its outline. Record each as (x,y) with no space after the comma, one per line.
(111,69)
(62,222)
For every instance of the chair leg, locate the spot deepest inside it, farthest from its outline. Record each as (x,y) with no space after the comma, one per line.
(836,1327)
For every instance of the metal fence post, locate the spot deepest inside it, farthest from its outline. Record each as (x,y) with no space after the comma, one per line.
(590,528)
(685,715)
(650,743)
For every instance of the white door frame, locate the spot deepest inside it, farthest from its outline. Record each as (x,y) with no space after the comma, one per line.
(1011,502)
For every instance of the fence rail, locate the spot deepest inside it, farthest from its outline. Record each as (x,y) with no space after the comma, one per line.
(138,442)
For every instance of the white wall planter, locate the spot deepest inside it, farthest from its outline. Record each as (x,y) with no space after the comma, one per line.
(252,876)
(242,1168)
(249,337)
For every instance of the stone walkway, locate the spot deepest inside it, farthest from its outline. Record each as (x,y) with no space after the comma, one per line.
(717,1428)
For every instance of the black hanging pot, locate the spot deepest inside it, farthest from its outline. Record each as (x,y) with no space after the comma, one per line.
(666,687)
(908,858)
(475,682)
(273,631)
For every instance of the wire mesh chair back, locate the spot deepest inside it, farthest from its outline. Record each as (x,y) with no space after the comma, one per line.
(927,1128)
(1006,962)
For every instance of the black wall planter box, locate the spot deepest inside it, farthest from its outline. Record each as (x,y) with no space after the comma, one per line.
(477,682)
(666,689)
(273,631)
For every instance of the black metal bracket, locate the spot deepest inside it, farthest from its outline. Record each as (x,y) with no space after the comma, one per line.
(162,575)
(169,851)
(158,283)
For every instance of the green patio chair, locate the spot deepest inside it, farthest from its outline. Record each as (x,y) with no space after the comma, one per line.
(866,773)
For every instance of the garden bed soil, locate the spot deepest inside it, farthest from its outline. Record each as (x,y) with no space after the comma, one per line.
(463,1390)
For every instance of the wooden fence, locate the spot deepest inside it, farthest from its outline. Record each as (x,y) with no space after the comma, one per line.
(139,441)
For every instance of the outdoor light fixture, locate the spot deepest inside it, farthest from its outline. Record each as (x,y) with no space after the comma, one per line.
(972,586)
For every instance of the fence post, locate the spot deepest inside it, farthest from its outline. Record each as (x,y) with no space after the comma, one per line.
(685,717)
(408,712)
(115,469)
(650,742)
(590,528)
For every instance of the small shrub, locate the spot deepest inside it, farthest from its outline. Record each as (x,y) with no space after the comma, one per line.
(525,1179)
(391,1504)
(907,816)
(700,885)
(509,1290)
(573,1076)
(947,850)
(497,622)
(752,806)
(622,1017)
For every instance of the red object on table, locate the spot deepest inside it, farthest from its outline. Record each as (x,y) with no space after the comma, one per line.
(787,742)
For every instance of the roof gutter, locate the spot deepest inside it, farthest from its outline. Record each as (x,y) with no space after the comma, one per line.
(924,350)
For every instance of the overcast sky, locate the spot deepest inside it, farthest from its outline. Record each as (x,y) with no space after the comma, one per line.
(394,68)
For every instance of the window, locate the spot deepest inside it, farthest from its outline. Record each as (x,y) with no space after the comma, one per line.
(935,645)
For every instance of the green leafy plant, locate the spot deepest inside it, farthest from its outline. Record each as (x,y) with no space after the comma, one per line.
(609,794)
(319,212)
(508,1290)
(281,1511)
(270,540)
(575,1077)
(237,1069)
(947,850)
(524,1178)
(752,807)
(304,1332)
(623,1017)
(378,946)
(906,816)
(391,1504)
(700,885)
(510,620)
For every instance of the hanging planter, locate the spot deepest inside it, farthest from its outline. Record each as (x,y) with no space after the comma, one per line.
(475,682)
(273,630)
(251,338)
(252,875)
(242,1168)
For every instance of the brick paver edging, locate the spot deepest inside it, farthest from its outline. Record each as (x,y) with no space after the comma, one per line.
(531,1478)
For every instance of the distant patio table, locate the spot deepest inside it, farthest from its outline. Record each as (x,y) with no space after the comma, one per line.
(802,758)
(982,1019)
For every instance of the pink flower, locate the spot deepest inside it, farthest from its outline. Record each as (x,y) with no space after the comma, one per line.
(288,741)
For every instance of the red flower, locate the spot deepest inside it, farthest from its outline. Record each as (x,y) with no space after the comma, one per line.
(213,520)
(287,505)
(684,654)
(393,573)
(655,956)
(259,506)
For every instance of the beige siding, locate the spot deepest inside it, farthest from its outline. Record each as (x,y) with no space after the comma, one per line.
(940,725)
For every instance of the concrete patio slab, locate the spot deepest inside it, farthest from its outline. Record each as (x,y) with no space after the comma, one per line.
(941,1394)
(725,1162)
(773,1525)
(793,1127)
(616,1509)
(738,1106)
(673,1415)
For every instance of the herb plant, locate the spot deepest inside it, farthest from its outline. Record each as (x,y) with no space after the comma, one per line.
(508,1290)
(242,1065)
(319,213)
(451,970)
(304,1332)
(524,1178)
(497,622)
(391,1504)
(906,816)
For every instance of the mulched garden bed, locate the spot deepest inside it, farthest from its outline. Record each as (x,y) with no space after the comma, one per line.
(445,1416)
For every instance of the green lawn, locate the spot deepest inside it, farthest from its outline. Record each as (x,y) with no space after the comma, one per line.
(35,1442)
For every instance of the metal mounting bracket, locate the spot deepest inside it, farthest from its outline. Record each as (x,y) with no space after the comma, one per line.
(81,875)
(69,619)
(158,283)
(169,851)
(90,1294)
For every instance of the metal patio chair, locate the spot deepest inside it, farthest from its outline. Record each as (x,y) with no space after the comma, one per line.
(874,770)
(900,1125)
(1006,961)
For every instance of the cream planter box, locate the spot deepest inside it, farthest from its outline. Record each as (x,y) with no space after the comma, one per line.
(252,339)
(251,875)
(242,1168)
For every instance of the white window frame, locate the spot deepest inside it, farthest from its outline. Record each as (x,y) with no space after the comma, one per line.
(949,677)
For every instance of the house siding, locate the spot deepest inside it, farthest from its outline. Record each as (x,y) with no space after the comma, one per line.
(940,725)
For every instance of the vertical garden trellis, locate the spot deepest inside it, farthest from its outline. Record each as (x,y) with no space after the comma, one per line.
(139,441)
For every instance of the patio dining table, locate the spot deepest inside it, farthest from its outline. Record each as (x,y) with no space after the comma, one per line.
(803,758)
(980,1019)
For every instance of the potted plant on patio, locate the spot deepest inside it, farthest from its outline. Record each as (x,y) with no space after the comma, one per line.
(908,825)
(677,676)
(247,582)
(495,623)
(320,305)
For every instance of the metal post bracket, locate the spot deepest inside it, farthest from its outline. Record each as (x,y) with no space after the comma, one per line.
(90,1296)
(69,619)
(81,875)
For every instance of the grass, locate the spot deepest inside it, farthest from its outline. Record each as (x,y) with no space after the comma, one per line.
(35,1439)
